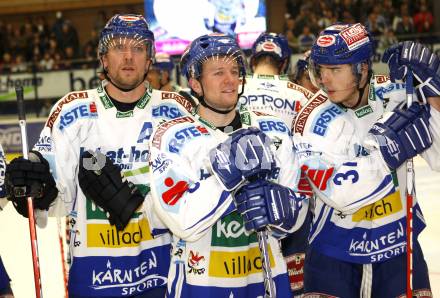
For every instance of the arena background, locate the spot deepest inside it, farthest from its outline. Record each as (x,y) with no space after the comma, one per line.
(31,28)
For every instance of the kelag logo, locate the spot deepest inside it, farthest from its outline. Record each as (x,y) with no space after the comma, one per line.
(230,232)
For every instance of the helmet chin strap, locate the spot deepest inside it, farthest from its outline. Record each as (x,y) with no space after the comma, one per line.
(205,104)
(361,91)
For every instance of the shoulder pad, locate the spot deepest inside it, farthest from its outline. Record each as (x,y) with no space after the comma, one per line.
(173,134)
(64,103)
(383,87)
(176,97)
(302,118)
(307,93)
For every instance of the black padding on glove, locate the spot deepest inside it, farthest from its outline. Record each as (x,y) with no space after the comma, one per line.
(30,178)
(104,185)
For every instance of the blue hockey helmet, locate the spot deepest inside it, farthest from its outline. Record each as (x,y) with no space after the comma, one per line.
(343,44)
(274,45)
(208,46)
(162,61)
(301,66)
(130,28)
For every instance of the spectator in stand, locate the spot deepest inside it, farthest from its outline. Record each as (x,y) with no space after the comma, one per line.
(6,63)
(47,63)
(306,39)
(387,39)
(59,63)
(405,28)
(20,64)
(58,25)
(326,19)
(289,32)
(89,55)
(424,23)
(302,19)
(2,37)
(8,32)
(69,37)
(42,27)
(403,11)
(388,11)
(18,41)
(93,41)
(52,46)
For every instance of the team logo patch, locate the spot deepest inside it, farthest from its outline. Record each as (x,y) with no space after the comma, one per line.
(194,263)
(129,18)
(354,36)
(295,268)
(269,46)
(326,40)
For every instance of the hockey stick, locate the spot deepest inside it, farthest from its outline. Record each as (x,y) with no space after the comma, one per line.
(269,285)
(410,192)
(32,229)
(63,262)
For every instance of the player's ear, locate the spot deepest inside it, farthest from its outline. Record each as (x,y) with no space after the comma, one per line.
(104,62)
(148,65)
(196,86)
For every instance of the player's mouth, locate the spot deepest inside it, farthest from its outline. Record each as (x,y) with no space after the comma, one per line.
(128,68)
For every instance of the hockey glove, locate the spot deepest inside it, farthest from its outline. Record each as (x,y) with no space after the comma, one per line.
(402,134)
(425,65)
(246,153)
(107,189)
(30,178)
(264,204)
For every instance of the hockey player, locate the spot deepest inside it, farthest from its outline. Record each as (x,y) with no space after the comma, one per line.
(358,237)
(2,174)
(113,251)
(215,251)
(160,74)
(5,287)
(268,89)
(300,74)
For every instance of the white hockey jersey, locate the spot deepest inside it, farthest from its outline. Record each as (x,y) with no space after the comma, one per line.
(274,95)
(2,173)
(104,261)
(360,206)
(213,255)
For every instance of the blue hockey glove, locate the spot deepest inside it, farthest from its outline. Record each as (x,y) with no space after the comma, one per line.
(246,153)
(402,134)
(425,65)
(264,204)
